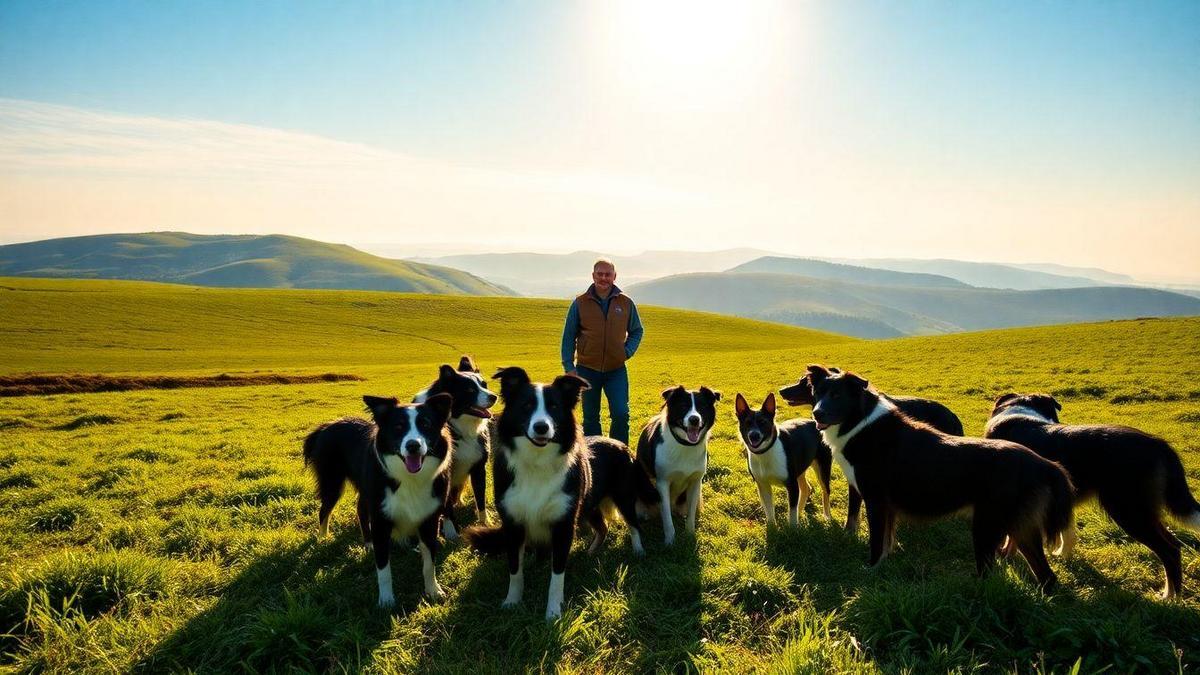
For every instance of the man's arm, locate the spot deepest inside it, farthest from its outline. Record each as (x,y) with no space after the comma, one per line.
(633,336)
(570,332)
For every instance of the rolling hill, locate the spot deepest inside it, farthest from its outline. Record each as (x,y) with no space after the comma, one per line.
(887,311)
(820,269)
(985,274)
(245,261)
(568,274)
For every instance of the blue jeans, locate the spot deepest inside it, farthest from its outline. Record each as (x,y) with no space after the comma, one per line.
(615,384)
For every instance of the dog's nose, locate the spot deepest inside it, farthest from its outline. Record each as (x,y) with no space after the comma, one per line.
(541,428)
(693,420)
(413,446)
(755,437)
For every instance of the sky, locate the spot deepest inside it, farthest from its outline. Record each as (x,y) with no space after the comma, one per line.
(1063,132)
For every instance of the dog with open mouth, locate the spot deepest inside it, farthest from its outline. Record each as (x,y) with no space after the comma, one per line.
(924,410)
(399,463)
(470,415)
(779,455)
(546,476)
(673,451)
(904,467)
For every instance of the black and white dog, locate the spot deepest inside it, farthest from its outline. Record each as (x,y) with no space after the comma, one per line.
(924,410)
(546,475)
(901,466)
(1135,475)
(780,454)
(400,465)
(469,415)
(673,451)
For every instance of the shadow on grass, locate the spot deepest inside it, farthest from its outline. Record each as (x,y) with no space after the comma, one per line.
(924,608)
(307,607)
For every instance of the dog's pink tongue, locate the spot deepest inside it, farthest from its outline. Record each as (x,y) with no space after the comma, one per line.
(693,435)
(412,463)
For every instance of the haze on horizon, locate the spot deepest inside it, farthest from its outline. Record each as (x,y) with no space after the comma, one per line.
(998,131)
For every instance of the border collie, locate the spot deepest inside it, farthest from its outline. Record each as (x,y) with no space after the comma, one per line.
(780,454)
(469,417)
(546,475)
(673,451)
(924,410)
(1135,475)
(400,466)
(901,466)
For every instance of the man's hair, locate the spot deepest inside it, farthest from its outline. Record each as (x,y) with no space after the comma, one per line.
(603,261)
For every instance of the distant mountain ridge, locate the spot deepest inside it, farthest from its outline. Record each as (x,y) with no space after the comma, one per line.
(877,311)
(560,275)
(983,274)
(821,269)
(249,261)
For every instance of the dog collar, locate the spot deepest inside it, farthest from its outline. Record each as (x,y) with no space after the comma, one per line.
(766,447)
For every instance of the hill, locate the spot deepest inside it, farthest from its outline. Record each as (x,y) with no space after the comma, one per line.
(175,530)
(123,326)
(984,274)
(568,274)
(245,261)
(885,311)
(820,269)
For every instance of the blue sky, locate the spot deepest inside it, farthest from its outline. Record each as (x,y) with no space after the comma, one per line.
(897,126)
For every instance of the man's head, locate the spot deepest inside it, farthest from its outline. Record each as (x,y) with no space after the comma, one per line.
(604,275)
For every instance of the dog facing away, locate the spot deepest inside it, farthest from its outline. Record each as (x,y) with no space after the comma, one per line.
(469,416)
(400,464)
(901,466)
(924,410)
(673,451)
(1136,476)
(546,475)
(780,455)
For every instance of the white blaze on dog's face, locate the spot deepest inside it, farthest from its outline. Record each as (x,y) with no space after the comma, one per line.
(691,414)
(540,428)
(410,433)
(541,413)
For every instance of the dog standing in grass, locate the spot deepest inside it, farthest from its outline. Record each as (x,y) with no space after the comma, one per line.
(780,455)
(400,465)
(1135,475)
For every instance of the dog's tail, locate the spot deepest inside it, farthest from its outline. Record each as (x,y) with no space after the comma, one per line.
(488,540)
(1058,520)
(1177,496)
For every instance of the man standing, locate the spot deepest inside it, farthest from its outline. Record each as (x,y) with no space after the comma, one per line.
(602,332)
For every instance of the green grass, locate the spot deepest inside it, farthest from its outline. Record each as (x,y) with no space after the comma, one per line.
(175,529)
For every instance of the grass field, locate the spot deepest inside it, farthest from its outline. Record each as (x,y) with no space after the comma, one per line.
(175,529)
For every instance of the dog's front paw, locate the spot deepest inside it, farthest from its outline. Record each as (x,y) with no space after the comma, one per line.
(387,601)
(553,613)
(435,593)
(668,538)
(509,604)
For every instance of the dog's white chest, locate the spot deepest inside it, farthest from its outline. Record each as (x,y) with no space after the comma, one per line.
(535,499)
(678,464)
(467,451)
(771,466)
(408,506)
(847,469)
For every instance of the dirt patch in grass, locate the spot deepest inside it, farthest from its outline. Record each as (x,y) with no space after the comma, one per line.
(75,383)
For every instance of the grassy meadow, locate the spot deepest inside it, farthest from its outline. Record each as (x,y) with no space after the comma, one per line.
(168,530)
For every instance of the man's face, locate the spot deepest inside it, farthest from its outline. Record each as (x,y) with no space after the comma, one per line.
(604,276)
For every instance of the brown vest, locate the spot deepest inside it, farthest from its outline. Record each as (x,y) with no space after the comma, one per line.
(601,341)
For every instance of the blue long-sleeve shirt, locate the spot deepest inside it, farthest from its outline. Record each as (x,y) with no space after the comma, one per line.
(633,336)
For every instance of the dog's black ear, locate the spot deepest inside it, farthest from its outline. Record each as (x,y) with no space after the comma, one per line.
(714,396)
(855,380)
(511,378)
(669,391)
(571,386)
(446,371)
(769,404)
(379,406)
(439,407)
(817,373)
(1057,405)
(1003,398)
(466,364)
(740,407)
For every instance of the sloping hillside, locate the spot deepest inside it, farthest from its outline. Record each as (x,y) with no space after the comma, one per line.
(982,274)
(247,261)
(883,311)
(820,269)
